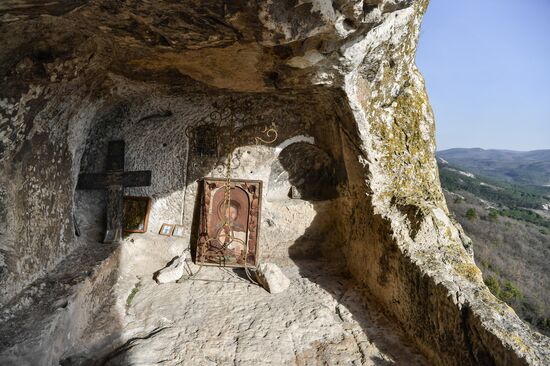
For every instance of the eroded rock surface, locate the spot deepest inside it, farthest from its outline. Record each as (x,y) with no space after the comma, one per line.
(337,80)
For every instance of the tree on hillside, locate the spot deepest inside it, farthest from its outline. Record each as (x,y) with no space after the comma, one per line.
(471,214)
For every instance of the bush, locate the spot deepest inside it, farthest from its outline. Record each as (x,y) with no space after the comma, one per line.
(506,292)
(493,285)
(493,215)
(471,214)
(509,292)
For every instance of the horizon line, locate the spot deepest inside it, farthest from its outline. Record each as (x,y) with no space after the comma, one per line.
(488,149)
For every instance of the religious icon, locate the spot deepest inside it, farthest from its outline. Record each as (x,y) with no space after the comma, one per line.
(111,236)
(136,214)
(178,231)
(206,140)
(229,223)
(166,229)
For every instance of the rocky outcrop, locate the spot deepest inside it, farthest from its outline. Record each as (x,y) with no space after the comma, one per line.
(337,75)
(270,276)
(172,272)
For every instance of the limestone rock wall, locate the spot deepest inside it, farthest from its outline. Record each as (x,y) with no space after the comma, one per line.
(42,123)
(75,74)
(420,263)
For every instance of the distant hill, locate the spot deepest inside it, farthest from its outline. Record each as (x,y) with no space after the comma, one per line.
(520,167)
(498,193)
(509,225)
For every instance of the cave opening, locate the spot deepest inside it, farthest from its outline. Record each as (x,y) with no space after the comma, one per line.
(352,209)
(306,207)
(305,203)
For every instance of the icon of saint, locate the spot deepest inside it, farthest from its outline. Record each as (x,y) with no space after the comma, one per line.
(229,229)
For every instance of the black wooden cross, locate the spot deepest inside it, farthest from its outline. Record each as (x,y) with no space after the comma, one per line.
(114,180)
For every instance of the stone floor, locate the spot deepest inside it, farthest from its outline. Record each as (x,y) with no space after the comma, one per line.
(220,318)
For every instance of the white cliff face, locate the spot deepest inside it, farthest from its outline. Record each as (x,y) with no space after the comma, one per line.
(337,79)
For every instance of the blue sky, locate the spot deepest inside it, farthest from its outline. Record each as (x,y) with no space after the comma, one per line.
(487,70)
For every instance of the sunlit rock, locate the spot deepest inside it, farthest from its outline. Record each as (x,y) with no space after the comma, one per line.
(350,185)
